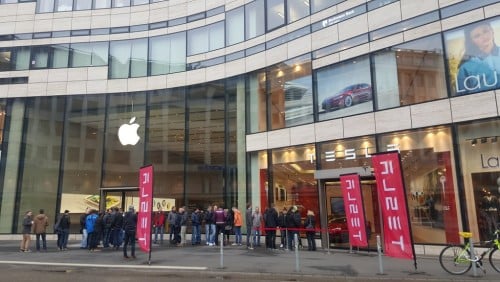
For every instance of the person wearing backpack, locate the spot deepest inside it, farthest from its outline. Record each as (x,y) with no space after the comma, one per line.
(108,221)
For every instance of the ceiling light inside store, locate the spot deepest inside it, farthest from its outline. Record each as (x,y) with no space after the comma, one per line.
(306,2)
(473,142)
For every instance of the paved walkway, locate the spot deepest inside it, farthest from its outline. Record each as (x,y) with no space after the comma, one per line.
(320,265)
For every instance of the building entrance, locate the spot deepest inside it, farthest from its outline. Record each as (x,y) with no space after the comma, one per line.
(120,197)
(334,215)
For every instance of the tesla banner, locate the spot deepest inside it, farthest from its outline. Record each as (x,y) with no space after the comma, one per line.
(354,211)
(391,193)
(145,207)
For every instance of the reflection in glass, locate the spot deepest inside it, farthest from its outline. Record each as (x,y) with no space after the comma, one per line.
(119,54)
(64,5)
(40,57)
(297,9)
(102,4)
(39,172)
(21,58)
(318,5)
(121,3)
(275,13)
(254,19)
(205,165)
(45,6)
(165,147)
(124,145)
(235,26)
(410,73)
(139,58)
(5,59)
(290,91)
(256,102)
(83,4)
(344,89)
(60,55)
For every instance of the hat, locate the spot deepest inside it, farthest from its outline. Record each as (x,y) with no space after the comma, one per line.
(131,208)
(66,211)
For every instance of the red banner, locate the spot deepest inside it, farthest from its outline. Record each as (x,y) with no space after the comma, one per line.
(354,210)
(397,235)
(145,207)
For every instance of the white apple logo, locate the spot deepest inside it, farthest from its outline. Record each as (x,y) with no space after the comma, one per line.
(127,133)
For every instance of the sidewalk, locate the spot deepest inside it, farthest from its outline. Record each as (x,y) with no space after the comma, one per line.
(238,260)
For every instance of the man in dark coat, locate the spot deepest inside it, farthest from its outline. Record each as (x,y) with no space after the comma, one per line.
(129,226)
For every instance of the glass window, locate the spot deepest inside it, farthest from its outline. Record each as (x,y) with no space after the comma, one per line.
(119,54)
(21,58)
(83,4)
(235,26)
(216,36)
(410,73)
(45,6)
(5,59)
(159,55)
(473,57)
(166,134)
(318,5)
(100,53)
(81,55)
(60,56)
(124,152)
(479,147)
(81,174)
(275,13)
(41,118)
(297,9)
(290,93)
(64,5)
(140,2)
(139,58)
(8,1)
(102,4)
(121,3)
(178,52)
(254,19)
(344,89)
(427,161)
(198,40)
(256,102)
(40,57)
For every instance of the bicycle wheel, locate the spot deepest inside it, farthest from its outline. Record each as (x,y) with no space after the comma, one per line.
(495,259)
(455,260)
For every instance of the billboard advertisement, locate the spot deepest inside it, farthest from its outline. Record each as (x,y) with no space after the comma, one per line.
(473,57)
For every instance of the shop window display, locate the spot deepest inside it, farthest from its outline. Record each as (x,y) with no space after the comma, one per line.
(479,160)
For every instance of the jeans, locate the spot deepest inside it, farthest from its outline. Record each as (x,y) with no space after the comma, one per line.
(117,237)
(85,235)
(291,239)
(249,234)
(159,231)
(172,231)
(129,239)
(237,235)
(311,243)
(211,233)
(196,235)
(62,239)
(44,241)
(256,236)
(93,240)
(105,237)
(271,239)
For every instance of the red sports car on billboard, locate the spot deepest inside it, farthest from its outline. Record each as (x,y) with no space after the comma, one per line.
(348,96)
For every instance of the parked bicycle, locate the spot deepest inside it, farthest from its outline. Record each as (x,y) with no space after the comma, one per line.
(457,259)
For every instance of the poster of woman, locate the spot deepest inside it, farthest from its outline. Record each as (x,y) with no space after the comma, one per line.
(474,57)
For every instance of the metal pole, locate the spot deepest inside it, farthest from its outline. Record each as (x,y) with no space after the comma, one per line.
(297,265)
(328,240)
(221,250)
(473,258)
(379,250)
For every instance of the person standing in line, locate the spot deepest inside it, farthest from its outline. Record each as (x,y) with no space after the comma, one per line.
(184,220)
(238,222)
(220,222)
(108,220)
(83,229)
(62,230)
(209,227)
(229,225)
(310,225)
(90,222)
(129,226)
(270,223)
(196,224)
(159,226)
(282,226)
(248,221)
(256,224)
(293,224)
(98,230)
(116,228)
(171,223)
(27,224)
(40,228)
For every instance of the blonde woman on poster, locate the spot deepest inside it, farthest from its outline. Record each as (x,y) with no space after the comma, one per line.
(479,67)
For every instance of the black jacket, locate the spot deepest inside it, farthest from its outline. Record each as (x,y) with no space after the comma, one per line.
(271,218)
(130,222)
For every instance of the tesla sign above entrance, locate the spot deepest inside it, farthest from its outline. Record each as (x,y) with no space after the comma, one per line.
(350,154)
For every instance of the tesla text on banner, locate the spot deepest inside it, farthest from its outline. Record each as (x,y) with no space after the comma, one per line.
(353,203)
(391,192)
(145,208)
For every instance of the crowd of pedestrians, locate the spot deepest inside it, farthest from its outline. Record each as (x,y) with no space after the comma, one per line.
(115,228)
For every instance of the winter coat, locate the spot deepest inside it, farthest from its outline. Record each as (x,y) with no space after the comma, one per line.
(40,224)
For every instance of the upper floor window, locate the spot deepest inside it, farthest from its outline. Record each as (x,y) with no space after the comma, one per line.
(318,5)
(45,6)
(64,5)
(275,13)
(235,26)
(83,4)
(206,38)
(297,9)
(254,19)
(102,4)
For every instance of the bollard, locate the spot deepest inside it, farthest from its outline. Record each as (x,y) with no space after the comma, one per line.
(297,265)
(379,250)
(221,250)
(473,258)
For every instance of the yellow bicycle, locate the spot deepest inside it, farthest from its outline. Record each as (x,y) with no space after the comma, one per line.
(457,259)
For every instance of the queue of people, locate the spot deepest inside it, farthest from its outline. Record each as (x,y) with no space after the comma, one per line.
(114,228)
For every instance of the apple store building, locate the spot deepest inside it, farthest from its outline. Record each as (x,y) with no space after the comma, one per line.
(261,102)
